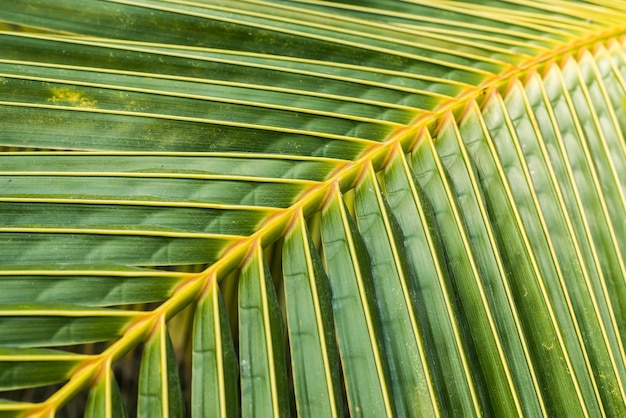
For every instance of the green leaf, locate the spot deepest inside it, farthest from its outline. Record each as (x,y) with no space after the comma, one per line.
(262,363)
(24,368)
(496,290)
(467,284)
(412,387)
(359,332)
(314,354)
(105,399)
(103,287)
(588,299)
(546,342)
(434,305)
(214,385)
(160,393)
(428,196)
(58,325)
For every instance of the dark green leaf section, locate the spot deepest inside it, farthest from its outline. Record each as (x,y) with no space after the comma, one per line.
(83,289)
(154,188)
(27,368)
(133,215)
(233,29)
(434,303)
(96,131)
(182,107)
(539,322)
(176,165)
(12,409)
(105,399)
(58,325)
(235,87)
(262,356)
(412,389)
(215,379)
(493,381)
(229,105)
(27,248)
(428,16)
(357,320)
(314,354)
(455,160)
(581,285)
(160,393)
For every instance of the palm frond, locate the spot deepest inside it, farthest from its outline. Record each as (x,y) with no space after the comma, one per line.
(375,208)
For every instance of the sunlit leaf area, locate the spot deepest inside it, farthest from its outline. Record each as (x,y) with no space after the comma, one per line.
(273,208)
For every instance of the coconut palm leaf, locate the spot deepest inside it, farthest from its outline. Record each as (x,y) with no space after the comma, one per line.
(270,207)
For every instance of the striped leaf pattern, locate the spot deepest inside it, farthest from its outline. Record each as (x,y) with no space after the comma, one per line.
(316,208)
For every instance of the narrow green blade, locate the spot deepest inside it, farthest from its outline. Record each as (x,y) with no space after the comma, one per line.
(599,135)
(434,304)
(105,399)
(560,388)
(214,391)
(358,326)
(314,354)
(262,362)
(524,153)
(412,387)
(509,336)
(107,287)
(475,315)
(589,228)
(160,394)
(27,368)
(57,325)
